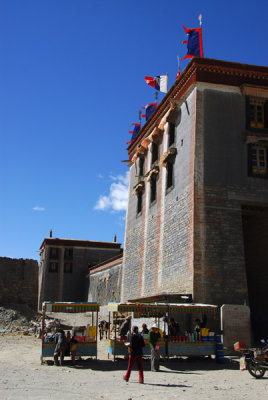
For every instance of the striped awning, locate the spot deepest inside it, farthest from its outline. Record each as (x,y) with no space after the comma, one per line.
(67,307)
(162,307)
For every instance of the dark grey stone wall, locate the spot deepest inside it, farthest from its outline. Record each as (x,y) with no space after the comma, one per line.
(105,286)
(19,281)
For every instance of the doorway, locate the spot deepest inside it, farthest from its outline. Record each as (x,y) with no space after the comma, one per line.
(255,231)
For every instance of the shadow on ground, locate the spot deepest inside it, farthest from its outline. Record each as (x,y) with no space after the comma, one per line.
(174,365)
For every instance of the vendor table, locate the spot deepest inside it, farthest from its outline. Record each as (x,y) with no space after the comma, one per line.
(86,348)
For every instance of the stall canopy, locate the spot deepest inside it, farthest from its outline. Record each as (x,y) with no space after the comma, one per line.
(146,307)
(51,306)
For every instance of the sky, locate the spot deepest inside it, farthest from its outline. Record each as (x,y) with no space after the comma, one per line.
(71,83)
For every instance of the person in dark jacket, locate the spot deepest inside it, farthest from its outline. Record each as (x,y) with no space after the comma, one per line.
(125,327)
(136,345)
(60,340)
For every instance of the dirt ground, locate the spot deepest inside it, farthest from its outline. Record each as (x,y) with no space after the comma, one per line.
(22,377)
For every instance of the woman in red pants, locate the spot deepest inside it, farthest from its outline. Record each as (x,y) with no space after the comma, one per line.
(136,345)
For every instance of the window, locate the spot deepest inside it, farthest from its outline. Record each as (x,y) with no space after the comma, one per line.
(154,152)
(169,166)
(153,187)
(68,267)
(257,113)
(257,157)
(171,134)
(68,253)
(54,251)
(53,267)
(139,202)
(141,166)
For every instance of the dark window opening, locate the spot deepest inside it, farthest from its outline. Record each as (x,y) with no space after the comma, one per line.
(68,268)
(257,161)
(169,174)
(154,152)
(68,253)
(141,166)
(53,267)
(171,136)
(153,188)
(54,252)
(139,202)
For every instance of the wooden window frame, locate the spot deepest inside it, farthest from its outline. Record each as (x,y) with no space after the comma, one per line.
(257,161)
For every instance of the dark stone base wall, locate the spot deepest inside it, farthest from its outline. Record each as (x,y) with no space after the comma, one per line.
(19,281)
(105,286)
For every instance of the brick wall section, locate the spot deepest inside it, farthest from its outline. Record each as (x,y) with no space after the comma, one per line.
(105,283)
(162,230)
(19,281)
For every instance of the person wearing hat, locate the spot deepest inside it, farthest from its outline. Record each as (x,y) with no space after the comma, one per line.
(154,337)
(145,330)
(136,345)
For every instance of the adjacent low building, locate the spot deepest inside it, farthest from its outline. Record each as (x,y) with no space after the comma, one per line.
(64,266)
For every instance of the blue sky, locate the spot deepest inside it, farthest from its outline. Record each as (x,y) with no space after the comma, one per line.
(71,82)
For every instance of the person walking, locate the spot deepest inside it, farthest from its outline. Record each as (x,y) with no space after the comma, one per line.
(154,337)
(136,345)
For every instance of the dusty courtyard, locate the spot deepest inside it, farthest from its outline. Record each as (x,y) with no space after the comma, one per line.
(22,377)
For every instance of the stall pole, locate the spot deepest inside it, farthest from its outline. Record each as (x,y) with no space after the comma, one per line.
(97,320)
(115,334)
(109,330)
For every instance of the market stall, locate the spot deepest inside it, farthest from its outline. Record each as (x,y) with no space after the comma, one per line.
(119,311)
(85,336)
(188,342)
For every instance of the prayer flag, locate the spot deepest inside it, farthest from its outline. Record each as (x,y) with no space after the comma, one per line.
(149,109)
(158,82)
(135,131)
(194,43)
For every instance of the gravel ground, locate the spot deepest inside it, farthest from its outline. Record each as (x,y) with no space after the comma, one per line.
(22,377)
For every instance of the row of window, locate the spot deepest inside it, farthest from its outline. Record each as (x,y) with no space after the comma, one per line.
(54,266)
(169,164)
(54,253)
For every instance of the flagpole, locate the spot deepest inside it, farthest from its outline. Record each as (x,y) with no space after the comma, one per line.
(140,116)
(167,81)
(200,22)
(156,97)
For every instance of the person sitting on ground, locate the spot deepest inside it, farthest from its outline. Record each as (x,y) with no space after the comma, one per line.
(136,345)
(60,340)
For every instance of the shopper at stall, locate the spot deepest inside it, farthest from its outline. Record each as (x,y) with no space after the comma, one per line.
(145,330)
(60,340)
(125,327)
(154,338)
(73,348)
(136,345)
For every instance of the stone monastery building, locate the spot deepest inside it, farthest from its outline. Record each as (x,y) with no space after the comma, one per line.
(197,216)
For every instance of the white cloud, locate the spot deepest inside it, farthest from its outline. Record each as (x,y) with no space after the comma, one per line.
(38,208)
(117,198)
